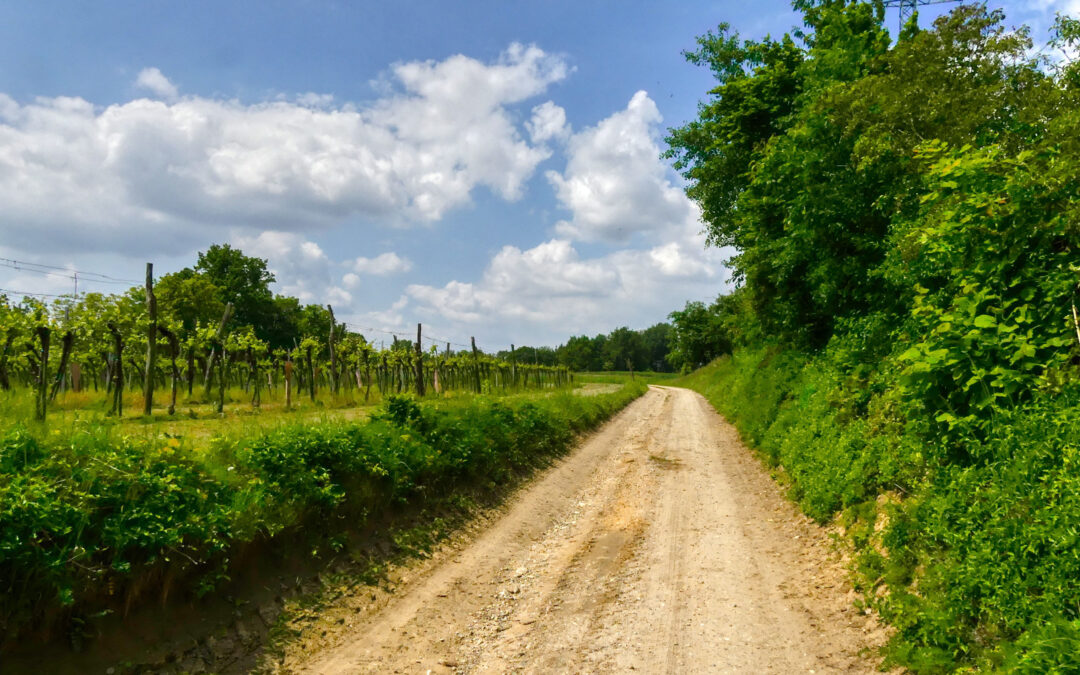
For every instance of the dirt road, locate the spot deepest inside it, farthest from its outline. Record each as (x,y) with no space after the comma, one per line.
(660,545)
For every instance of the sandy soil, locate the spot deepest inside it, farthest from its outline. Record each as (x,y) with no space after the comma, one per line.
(661,545)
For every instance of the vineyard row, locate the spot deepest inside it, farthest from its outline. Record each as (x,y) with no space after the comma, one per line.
(120,351)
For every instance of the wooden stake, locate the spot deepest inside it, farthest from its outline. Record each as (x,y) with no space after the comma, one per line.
(151,342)
(419,363)
(5,381)
(174,350)
(288,383)
(117,378)
(61,372)
(1076,322)
(42,395)
(333,355)
(476,365)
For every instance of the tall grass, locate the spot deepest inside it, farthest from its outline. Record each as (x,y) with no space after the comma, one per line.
(93,519)
(975,562)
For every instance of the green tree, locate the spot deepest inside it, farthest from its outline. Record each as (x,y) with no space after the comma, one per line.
(697,337)
(655,339)
(245,282)
(189,298)
(579,353)
(622,347)
(808,202)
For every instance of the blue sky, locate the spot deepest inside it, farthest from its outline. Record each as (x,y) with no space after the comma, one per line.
(487,168)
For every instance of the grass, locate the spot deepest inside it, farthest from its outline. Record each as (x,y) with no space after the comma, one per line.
(196,418)
(968,548)
(623,376)
(96,517)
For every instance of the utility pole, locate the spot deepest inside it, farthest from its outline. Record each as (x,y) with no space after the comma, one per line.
(908,7)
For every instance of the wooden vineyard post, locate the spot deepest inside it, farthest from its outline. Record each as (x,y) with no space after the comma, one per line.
(288,382)
(41,397)
(190,369)
(333,355)
(174,351)
(151,342)
(118,371)
(419,363)
(311,373)
(219,349)
(364,373)
(256,395)
(65,354)
(476,365)
(223,380)
(5,381)
(367,374)
(384,384)
(513,367)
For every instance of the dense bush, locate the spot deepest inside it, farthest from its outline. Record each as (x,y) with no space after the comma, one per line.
(91,520)
(904,213)
(973,562)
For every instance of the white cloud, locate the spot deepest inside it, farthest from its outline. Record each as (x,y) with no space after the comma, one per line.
(548,122)
(151,176)
(618,190)
(154,81)
(550,291)
(376,325)
(1070,7)
(615,184)
(301,267)
(382,265)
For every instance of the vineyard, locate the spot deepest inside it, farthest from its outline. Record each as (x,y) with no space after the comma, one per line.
(106,351)
(145,452)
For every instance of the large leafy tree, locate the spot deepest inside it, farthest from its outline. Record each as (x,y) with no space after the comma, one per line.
(244,281)
(656,341)
(808,199)
(624,348)
(190,298)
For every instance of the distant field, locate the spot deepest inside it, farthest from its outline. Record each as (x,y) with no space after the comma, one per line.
(623,376)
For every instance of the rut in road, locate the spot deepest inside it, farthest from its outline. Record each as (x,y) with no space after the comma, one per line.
(660,545)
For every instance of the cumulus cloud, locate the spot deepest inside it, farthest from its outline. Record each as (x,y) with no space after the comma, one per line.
(615,185)
(154,80)
(550,290)
(382,265)
(548,122)
(618,191)
(301,267)
(152,175)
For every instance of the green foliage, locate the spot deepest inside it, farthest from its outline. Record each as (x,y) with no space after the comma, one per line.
(975,563)
(906,235)
(621,348)
(243,280)
(89,520)
(699,334)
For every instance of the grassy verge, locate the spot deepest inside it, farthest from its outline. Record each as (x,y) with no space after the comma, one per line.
(970,548)
(94,521)
(622,377)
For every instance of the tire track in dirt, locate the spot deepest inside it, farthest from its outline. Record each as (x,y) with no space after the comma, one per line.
(659,545)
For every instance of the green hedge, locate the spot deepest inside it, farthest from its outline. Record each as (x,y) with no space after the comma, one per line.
(975,562)
(91,521)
